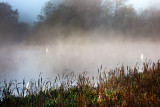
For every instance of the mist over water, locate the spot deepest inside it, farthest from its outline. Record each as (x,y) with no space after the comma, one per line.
(77,36)
(74,54)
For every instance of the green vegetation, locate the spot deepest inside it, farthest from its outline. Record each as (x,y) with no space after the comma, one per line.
(114,88)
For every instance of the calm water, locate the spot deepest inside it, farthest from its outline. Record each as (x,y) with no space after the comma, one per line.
(27,62)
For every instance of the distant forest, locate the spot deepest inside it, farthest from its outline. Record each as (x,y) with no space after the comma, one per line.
(83,15)
(89,14)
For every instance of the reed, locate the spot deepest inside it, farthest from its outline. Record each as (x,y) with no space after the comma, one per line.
(110,88)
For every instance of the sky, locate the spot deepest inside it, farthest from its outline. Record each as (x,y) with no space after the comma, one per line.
(29,9)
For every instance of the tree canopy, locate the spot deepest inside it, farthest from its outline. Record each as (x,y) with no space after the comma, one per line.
(8,16)
(79,13)
(10,28)
(88,14)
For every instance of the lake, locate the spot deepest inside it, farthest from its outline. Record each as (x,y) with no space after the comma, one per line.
(27,62)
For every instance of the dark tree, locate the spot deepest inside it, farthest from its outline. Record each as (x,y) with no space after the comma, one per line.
(77,13)
(10,29)
(8,16)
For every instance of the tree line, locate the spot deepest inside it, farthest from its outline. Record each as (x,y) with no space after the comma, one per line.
(11,30)
(116,15)
(88,14)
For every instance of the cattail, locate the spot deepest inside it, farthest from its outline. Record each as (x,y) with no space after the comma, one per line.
(101,67)
(23,87)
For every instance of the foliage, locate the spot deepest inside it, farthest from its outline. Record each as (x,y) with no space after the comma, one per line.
(72,13)
(8,16)
(10,29)
(88,14)
(114,88)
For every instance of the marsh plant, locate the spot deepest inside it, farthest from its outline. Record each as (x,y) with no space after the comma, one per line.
(118,87)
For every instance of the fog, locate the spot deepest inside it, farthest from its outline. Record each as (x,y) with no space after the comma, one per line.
(75,54)
(74,38)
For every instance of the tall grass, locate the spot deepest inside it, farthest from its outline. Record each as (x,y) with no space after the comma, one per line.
(117,87)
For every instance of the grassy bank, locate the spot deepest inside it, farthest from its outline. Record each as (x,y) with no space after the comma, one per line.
(117,87)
